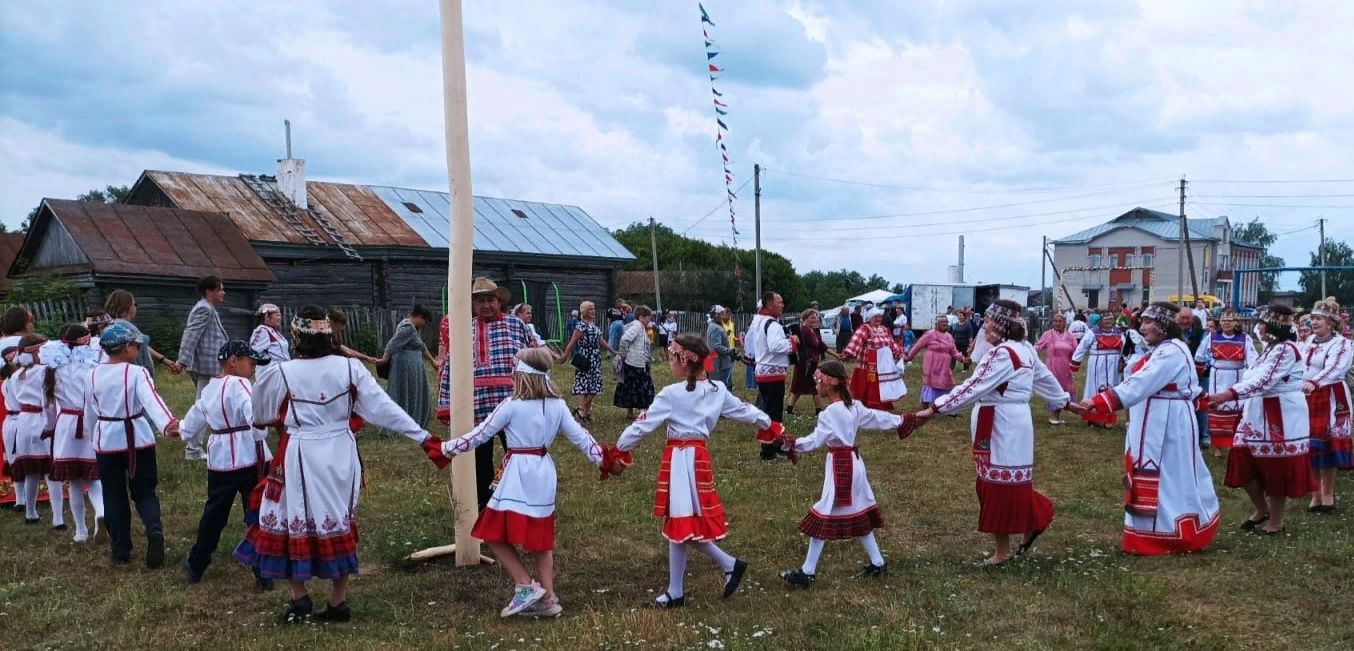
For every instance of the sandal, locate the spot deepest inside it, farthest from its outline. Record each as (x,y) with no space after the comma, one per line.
(1025,546)
(1266,532)
(1250,525)
(668,601)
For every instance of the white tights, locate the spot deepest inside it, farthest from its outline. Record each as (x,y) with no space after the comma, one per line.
(867,541)
(78,488)
(56,494)
(677,553)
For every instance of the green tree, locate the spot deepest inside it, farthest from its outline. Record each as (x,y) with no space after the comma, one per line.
(109,194)
(1339,284)
(1255,233)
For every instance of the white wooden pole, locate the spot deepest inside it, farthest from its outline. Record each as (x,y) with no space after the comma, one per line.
(459,252)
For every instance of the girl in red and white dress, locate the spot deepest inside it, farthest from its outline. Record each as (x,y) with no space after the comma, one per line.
(847,508)
(1228,353)
(1269,456)
(693,517)
(1328,357)
(69,362)
(1003,431)
(878,378)
(32,463)
(521,511)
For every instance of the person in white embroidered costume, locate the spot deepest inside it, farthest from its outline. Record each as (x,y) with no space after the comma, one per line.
(521,511)
(693,517)
(268,338)
(307,526)
(1003,430)
(69,362)
(121,406)
(847,507)
(769,347)
(1101,349)
(1224,356)
(1269,452)
(878,378)
(1328,356)
(1169,503)
(237,451)
(32,459)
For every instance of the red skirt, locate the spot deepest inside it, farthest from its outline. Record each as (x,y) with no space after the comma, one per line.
(1279,476)
(512,528)
(1222,427)
(826,527)
(1012,508)
(865,382)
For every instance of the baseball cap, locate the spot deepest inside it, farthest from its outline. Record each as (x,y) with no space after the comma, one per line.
(118,335)
(240,348)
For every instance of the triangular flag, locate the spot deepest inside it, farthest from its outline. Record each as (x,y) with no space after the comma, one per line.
(731,194)
(721,146)
(715,68)
(713,79)
(708,42)
(710,55)
(726,158)
(718,135)
(706,32)
(719,103)
(705,18)
(721,124)
(728,179)
(717,93)
(721,111)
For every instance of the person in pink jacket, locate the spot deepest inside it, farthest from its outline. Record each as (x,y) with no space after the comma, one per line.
(1057,344)
(937,377)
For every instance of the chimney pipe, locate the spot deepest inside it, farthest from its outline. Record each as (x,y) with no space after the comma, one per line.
(291,175)
(961,258)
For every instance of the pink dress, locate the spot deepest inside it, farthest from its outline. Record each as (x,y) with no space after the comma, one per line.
(936,376)
(1058,348)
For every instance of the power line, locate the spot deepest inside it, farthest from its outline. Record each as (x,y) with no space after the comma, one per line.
(966,190)
(1283,196)
(718,206)
(1273,181)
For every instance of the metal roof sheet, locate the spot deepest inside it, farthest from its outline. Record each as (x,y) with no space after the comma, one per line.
(127,239)
(1163,225)
(391,216)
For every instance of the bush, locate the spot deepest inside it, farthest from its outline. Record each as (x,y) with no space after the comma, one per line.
(165,333)
(47,287)
(362,338)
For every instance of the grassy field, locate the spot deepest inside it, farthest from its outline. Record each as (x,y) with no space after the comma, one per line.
(1075,591)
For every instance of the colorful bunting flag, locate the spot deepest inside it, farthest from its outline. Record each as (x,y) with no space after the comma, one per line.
(710,55)
(715,68)
(705,17)
(720,113)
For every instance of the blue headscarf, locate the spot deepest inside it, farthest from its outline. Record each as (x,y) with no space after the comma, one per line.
(1094,319)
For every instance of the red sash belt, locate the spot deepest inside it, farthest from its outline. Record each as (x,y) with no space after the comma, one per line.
(30,409)
(843,467)
(79,415)
(705,477)
(129,427)
(535,452)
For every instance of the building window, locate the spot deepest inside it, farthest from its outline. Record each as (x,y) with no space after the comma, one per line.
(1147,259)
(1146,296)
(1223,261)
(1095,260)
(1130,260)
(1093,298)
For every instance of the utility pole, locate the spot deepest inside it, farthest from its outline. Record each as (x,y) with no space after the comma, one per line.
(653,246)
(1321,226)
(1189,246)
(961,258)
(1043,274)
(757,223)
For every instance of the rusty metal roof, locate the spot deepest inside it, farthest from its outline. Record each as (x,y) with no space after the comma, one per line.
(388,216)
(150,240)
(9,249)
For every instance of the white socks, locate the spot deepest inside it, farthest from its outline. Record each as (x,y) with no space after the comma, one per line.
(57,494)
(78,510)
(31,496)
(810,566)
(872,548)
(95,496)
(676,569)
(719,556)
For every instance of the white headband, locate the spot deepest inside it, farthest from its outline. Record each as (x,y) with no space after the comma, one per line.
(523,367)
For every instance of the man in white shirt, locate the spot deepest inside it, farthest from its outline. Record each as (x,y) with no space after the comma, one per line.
(770,347)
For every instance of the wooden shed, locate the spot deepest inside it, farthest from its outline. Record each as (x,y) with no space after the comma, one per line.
(381,246)
(158,254)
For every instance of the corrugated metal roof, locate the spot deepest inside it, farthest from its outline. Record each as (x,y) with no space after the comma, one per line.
(145,240)
(9,250)
(1163,225)
(390,216)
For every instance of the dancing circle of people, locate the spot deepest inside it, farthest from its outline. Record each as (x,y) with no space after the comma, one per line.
(83,409)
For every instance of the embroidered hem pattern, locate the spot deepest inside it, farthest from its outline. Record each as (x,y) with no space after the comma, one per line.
(841,527)
(1189,537)
(696,528)
(280,555)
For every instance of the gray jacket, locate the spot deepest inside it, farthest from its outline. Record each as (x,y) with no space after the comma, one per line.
(202,339)
(718,341)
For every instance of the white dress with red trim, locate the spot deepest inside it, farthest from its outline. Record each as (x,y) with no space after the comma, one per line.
(1327,362)
(522,508)
(1272,442)
(224,415)
(1101,351)
(686,497)
(1170,506)
(73,456)
(847,508)
(32,452)
(307,524)
(1228,357)
(1003,435)
(877,379)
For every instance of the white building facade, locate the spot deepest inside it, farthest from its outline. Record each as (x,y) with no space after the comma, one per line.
(1098,263)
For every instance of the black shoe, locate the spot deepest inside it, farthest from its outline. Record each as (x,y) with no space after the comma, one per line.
(155,550)
(298,611)
(1250,525)
(798,578)
(32,520)
(194,577)
(1025,546)
(120,561)
(873,571)
(668,601)
(732,579)
(59,527)
(339,614)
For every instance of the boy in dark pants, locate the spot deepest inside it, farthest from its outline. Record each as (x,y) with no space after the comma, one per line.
(237,455)
(119,411)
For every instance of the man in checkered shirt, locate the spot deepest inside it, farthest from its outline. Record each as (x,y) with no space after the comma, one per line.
(496,339)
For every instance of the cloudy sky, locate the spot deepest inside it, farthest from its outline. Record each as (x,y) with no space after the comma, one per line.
(886,127)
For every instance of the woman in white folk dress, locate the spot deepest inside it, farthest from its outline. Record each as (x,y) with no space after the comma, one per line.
(1327,358)
(693,517)
(1224,355)
(847,507)
(1003,430)
(1170,506)
(69,362)
(307,524)
(521,512)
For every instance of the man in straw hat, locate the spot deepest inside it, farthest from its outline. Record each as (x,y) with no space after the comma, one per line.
(495,339)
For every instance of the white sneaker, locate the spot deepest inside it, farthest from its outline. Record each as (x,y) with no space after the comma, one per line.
(546,607)
(524,597)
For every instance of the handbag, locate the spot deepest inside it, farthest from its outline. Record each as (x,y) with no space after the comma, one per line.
(618,368)
(383,370)
(580,362)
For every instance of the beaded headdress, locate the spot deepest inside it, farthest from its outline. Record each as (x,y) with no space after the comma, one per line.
(1274,318)
(675,349)
(312,326)
(1004,316)
(1159,313)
